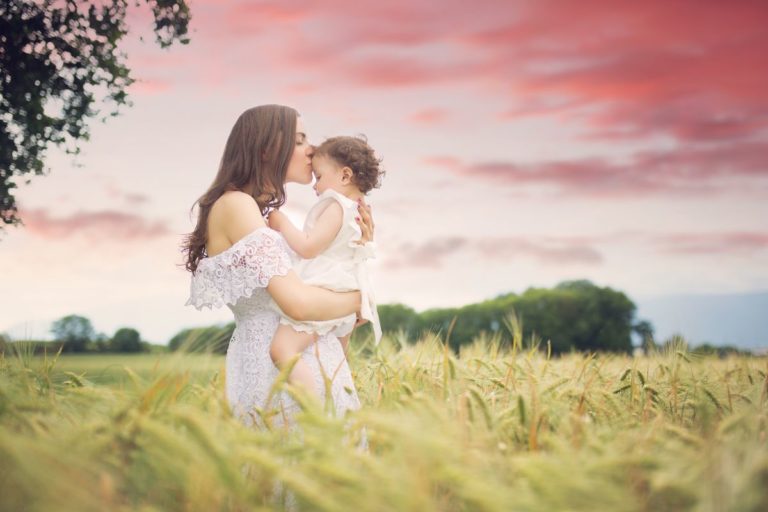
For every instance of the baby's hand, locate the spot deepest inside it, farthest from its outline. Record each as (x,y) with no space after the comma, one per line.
(276,220)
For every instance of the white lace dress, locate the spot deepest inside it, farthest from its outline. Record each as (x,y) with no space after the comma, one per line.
(238,278)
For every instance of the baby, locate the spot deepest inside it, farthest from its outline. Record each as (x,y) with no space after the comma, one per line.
(345,170)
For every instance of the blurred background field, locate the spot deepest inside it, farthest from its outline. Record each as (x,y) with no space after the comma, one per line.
(493,427)
(110,369)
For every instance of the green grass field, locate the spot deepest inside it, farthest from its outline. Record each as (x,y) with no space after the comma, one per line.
(110,369)
(492,429)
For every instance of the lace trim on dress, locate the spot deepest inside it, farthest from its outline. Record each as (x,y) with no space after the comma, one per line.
(236,272)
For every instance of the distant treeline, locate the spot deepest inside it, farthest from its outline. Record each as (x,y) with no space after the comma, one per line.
(575,315)
(75,334)
(572,316)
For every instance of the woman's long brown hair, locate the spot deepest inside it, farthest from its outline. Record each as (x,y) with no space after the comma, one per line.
(255,160)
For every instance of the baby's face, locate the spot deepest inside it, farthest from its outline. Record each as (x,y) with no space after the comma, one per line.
(328,175)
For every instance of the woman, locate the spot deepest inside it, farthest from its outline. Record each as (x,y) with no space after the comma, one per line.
(237,260)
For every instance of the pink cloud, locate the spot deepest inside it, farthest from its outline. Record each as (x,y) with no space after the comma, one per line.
(98,225)
(686,69)
(692,170)
(130,198)
(149,87)
(690,72)
(546,250)
(428,253)
(713,243)
(429,116)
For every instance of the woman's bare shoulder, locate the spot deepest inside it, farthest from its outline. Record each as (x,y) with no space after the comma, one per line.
(235,214)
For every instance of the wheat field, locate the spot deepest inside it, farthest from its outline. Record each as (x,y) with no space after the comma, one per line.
(491,429)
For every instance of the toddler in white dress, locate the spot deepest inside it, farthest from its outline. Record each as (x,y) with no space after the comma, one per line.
(345,169)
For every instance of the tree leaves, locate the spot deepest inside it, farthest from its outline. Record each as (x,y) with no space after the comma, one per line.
(60,66)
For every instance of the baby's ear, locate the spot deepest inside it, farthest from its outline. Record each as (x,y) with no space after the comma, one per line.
(346,174)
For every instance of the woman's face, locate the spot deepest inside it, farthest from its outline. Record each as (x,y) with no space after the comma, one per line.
(300,166)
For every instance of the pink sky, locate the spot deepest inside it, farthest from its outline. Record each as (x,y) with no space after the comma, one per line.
(525,143)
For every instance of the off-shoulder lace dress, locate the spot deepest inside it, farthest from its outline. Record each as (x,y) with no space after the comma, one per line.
(238,277)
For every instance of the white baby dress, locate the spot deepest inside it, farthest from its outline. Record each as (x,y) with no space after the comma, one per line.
(341,267)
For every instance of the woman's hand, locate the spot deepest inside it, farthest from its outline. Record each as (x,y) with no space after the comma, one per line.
(365,221)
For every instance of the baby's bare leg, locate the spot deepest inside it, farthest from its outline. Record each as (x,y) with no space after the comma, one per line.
(286,344)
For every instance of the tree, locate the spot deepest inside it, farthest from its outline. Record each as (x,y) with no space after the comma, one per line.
(74,331)
(126,340)
(644,329)
(575,315)
(398,318)
(58,60)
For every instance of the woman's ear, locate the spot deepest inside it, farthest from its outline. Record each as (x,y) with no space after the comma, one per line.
(346,175)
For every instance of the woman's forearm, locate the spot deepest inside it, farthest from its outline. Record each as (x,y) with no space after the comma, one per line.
(306,303)
(322,304)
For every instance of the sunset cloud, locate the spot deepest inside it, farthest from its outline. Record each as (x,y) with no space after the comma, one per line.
(130,198)
(429,116)
(150,87)
(97,225)
(546,250)
(688,170)
(686,70)
(713,243)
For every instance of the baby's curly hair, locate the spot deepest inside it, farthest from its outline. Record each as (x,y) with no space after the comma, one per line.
(355,153)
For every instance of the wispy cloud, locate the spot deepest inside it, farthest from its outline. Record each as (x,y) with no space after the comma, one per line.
(97,225)
(738,242)
(683,69)
(546,250)
(147,87)
(130,198)
(692,170)
(430,116)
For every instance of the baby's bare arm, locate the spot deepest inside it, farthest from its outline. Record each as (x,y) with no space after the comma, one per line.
(309,245)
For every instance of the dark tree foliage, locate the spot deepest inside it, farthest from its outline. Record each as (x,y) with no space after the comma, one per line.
(126,340)
(575,315)
(399,317)
(74,331)
(644,329)
(59,61)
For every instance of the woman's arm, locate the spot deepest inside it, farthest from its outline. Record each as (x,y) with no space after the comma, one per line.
(303,302)
(308,245)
